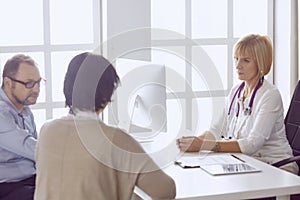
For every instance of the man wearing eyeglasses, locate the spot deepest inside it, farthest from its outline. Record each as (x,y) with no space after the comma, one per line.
(20,88)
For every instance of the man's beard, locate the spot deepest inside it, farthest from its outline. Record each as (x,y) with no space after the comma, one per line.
(24,102)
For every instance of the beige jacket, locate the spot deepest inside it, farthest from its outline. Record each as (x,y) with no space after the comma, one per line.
(83,159)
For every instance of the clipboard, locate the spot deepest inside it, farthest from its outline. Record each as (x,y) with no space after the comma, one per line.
(185,165)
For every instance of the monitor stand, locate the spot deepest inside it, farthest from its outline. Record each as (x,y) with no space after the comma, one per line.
(141,134)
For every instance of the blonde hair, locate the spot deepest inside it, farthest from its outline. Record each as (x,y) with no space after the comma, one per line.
(260,48)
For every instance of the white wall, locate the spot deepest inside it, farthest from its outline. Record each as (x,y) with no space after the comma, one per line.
(282,46)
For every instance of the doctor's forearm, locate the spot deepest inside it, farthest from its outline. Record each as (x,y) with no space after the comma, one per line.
(228,146)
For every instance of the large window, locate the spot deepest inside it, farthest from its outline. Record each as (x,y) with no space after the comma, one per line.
(51,32)
(213,31)
(195,38)
(198,45)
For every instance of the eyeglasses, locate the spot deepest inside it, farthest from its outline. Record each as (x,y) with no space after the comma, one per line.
(29,84)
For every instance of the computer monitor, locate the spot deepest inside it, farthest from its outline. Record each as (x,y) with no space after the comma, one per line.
(141,98)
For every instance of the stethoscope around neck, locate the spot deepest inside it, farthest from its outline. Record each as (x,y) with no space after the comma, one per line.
(248,109)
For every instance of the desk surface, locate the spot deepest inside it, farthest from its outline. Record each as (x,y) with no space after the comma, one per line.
(196,183)
(271,181)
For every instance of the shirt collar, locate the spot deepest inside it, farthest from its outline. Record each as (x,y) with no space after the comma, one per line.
(84,114)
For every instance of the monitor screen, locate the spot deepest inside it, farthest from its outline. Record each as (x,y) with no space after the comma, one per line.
(141,98)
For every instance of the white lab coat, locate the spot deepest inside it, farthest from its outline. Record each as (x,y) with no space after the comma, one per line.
(262,134)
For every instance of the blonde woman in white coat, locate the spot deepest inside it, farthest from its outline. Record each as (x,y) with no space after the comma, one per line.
(253,120)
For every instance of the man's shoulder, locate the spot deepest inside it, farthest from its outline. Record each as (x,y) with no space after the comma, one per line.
(4,107)
(7,118)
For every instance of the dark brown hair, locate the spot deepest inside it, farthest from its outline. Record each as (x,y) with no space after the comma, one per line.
(89,82)
(11,67)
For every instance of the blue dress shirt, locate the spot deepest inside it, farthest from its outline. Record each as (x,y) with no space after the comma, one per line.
(18,139)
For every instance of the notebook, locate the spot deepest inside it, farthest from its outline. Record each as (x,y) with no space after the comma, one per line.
(216,164)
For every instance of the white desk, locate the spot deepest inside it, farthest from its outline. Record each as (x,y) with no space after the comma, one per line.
(197,184)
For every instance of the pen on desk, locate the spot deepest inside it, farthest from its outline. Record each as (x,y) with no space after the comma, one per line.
(237,157)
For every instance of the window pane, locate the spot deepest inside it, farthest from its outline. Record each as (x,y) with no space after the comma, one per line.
(201,114)
(124,66)
(60,62)
(165,17)
(209,65)
(219,56)
(21,22)
(247,14)
(209,20)
(199,80)
(173,59)
(175,116)
(71,21)
(38,57)
(39,118)
(205,110)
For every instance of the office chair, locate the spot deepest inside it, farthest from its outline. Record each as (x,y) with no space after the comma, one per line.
(292,127)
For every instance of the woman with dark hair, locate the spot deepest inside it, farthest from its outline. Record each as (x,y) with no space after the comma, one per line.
(80,157)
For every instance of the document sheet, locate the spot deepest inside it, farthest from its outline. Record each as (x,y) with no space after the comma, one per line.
(216,164)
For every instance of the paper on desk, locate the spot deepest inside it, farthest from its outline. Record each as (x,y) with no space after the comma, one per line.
(209,159)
